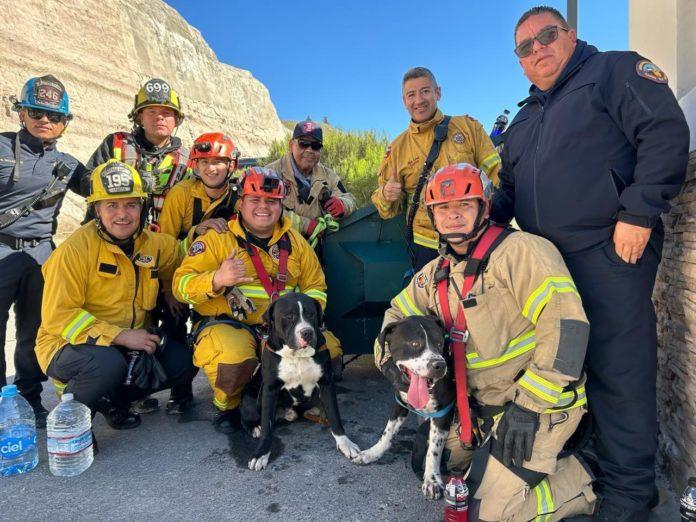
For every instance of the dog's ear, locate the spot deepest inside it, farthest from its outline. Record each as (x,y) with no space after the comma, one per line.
(440,323)
(385,338)
(267,316)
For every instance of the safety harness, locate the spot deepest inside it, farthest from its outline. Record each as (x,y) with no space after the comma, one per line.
(273,287)
(151,166)
(458,334)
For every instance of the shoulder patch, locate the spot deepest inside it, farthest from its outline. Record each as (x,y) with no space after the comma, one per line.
(421,280)
(274,252)
(648,70)
(458,137)
(198,247)
(387,153)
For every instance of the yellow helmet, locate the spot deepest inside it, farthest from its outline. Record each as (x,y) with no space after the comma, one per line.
(157,93)
(115,180)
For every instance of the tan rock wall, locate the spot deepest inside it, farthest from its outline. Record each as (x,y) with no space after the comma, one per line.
(104,50)
(675,303)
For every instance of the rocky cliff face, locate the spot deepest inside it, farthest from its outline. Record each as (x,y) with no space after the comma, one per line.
(104,51)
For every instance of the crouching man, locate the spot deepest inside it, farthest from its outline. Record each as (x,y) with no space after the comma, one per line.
(232,278)
(101,284)
(517,341)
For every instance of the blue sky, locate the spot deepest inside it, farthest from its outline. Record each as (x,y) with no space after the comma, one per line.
(345,59)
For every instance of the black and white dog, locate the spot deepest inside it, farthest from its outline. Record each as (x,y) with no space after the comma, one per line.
(294,372)
(423,383)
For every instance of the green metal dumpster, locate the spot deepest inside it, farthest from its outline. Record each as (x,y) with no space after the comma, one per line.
(365,262)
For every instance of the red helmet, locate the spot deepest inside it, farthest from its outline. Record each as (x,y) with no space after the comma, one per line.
(457,182)
(214,145)
(260,181)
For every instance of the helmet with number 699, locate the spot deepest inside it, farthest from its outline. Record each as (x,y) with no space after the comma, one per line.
(115,180)
(157,93)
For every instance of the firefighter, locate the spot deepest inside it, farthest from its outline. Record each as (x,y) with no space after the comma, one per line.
(404,169)
(34,177)
(594,179)
(317,199)
(207,201)
(231,289)
(101,285)
(161,159)
(518,336)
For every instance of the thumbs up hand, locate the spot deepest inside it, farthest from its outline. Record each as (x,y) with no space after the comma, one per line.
(231,272)
(393,189)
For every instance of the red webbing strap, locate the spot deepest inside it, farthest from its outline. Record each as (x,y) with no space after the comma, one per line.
(273,287)
(458,331)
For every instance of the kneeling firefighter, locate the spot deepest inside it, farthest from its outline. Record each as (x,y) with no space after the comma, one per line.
(231,278)
(517,341)
(101,285)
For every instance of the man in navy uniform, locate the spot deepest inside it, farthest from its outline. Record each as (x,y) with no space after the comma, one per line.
(590,162)
(33,179)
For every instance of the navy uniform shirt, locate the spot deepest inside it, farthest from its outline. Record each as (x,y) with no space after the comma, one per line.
(606,142)
(37,163)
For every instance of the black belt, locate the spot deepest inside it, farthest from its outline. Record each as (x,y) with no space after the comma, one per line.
(18,243)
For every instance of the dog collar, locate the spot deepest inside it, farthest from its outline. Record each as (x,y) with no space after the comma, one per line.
(435,415)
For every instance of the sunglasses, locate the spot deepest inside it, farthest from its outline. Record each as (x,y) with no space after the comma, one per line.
(53,117)
(546,36)
(315,145)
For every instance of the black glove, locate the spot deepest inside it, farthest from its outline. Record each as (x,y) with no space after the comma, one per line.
(516,431)
(396,377)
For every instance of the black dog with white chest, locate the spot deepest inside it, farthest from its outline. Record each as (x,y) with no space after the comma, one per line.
(295,371)
(422,379)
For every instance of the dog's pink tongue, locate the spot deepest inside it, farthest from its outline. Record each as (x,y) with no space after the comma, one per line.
(417,391)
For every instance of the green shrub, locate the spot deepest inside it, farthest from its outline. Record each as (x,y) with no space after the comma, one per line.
(355,156)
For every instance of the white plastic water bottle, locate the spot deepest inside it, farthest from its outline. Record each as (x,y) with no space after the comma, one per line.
(69,428)
(18,453)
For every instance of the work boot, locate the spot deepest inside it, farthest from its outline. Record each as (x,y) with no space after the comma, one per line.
(227,421)
(180,399)
(120,418)
(40,413)
(146,405)
(607,511)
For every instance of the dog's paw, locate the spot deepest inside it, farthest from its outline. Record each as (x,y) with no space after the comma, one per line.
(256,432)
(259,463)
(366,457)
(289,414)
(346,446)
(432,488)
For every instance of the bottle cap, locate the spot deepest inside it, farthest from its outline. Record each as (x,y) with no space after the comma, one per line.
(9,390)
(66,397)
(692,481)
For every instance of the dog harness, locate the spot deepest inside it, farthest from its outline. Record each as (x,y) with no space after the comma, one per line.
(273,287)
(458,333)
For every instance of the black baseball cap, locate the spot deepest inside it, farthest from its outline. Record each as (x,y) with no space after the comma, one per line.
(309,129)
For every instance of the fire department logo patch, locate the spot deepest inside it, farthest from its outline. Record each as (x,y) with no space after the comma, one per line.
(196,248)
(458,137)
(421,280)
(648,70)
(274,252)
(387,153)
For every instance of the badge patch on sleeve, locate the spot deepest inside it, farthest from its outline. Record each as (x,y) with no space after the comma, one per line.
(198,247)
(387,153)
(421,280)
(458,138)
(648,70)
